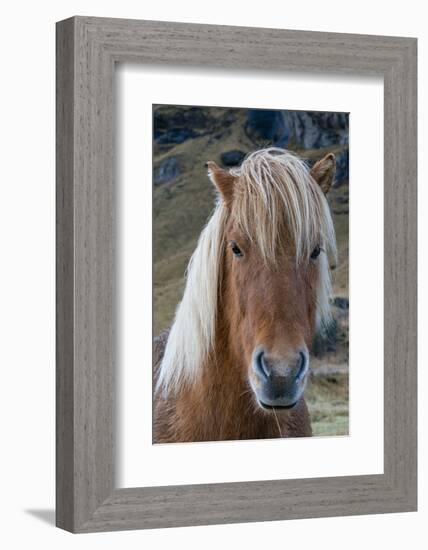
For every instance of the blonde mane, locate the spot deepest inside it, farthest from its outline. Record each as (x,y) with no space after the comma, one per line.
(274,187)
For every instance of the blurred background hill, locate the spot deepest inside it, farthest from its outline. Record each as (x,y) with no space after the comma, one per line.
(184,138)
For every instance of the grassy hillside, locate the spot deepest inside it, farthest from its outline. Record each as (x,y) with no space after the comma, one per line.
(183,201)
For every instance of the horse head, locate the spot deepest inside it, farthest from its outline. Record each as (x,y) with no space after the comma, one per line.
(274,287)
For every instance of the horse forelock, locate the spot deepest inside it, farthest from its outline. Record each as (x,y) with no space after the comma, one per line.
(277,204)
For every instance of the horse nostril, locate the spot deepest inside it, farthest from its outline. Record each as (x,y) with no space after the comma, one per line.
(260,365)
(302,365)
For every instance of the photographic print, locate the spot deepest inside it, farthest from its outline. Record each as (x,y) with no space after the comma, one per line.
(250,273)
(202,274)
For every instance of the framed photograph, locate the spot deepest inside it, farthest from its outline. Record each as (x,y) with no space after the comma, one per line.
(236,274)
(236,337)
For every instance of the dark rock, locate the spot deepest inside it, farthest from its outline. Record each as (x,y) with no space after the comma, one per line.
(305,129)
(167,117)
(175,135)
(342,166)
(341,302)
(232,158)
(176,125)
(325,340)
(314,130)
(173,125)
(168,170)
(268,126)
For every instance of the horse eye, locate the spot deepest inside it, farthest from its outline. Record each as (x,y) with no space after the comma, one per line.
(316,252)
(235,249)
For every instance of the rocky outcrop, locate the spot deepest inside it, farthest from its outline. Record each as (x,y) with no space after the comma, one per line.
(172,125)
(265,126)
(342,302)
(325,340)
(167,170)
(302,130)
(305,129)
(232,158)
(342,166)
(175,135)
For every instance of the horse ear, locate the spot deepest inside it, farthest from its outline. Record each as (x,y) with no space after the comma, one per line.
(222,179)
(324,171)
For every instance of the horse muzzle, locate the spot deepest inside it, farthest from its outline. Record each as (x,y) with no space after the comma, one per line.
(279,383)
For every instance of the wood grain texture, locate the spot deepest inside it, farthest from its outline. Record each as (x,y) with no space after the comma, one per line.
(64,278)
(87,50)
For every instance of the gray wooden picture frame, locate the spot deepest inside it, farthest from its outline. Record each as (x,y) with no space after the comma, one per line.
(87,51)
